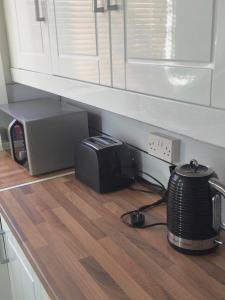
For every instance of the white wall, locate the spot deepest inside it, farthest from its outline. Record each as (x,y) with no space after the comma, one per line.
(3,95)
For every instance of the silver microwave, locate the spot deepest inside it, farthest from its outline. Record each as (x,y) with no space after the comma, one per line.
(42,134)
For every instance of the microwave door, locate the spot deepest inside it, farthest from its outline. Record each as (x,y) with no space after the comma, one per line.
(17,142)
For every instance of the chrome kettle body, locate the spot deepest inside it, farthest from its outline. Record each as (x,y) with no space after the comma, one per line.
(194,209)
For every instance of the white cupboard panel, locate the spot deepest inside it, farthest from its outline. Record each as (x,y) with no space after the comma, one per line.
(28,36)
(25,284)
(5,289)
(104,51)
(218,86)
(118,49)
(75,18)
(80,41)
(169,29)
(166,50)
(179,83)
(30,31)
(12,33)
(3,91)
(22,283)
(5,283)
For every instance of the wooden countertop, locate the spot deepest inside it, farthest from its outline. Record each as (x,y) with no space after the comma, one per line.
(12,174)
(80,250)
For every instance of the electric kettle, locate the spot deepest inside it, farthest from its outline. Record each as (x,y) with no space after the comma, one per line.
(194,209)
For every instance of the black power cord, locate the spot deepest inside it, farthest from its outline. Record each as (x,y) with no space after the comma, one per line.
(140,190)
(136,218)
(159,188)
(158,185)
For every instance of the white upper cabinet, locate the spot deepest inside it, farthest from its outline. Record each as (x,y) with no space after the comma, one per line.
(162,48)
(79,32)
(218,82)
(167,46)
(27,24)
(177,30)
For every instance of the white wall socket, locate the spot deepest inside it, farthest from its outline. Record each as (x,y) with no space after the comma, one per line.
(164,147)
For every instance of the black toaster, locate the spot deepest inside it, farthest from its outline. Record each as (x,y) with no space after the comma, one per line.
(105,164)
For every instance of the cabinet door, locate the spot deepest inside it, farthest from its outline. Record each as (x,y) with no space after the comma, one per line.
(22,282)
(167,47)
(25,284)
(28,34)
(80,40)
(218,86)
(5,290)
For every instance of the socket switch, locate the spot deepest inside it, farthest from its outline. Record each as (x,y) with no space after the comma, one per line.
(164,147)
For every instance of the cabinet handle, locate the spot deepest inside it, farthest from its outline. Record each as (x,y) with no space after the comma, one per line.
(3,261)
(112,6)
(98,9)
(39,18)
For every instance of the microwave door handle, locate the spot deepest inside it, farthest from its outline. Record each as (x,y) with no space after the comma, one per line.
(13,149)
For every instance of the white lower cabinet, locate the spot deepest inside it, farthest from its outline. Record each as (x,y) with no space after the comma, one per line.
(5,290)
(24,283)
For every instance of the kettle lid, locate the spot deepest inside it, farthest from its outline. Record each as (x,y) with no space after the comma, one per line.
(193,169)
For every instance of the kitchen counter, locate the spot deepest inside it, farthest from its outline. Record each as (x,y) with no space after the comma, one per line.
(80,249)
(12,174)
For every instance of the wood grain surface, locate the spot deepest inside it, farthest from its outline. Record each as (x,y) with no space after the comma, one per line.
(12,174)
(80,249)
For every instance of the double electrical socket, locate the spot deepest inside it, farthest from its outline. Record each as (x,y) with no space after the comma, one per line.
(164,147)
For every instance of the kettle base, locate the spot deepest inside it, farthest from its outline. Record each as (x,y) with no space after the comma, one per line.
(193,252)
(192,247)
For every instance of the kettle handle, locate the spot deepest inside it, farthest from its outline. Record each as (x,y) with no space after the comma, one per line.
(220,187)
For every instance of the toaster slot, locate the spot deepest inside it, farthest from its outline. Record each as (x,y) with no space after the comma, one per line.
(105,140)
(100,142)
(108,141)
(93,143)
